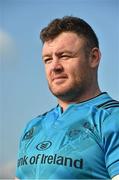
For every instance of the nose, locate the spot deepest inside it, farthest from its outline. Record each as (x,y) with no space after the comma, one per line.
(56,65)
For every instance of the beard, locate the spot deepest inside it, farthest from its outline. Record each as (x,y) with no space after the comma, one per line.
(70,93)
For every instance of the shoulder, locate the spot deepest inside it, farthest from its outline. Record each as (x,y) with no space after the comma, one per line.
(110,130)
(104,114)
(40,117)
(109,105)
(108,118)
(36,122)
(108,109)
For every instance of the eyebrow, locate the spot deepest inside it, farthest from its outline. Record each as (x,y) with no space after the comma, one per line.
(63,52)
(58,53)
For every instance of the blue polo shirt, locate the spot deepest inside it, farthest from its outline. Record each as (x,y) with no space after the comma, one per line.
(80,143)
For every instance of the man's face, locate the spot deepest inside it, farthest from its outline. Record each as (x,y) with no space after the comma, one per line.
(67,67)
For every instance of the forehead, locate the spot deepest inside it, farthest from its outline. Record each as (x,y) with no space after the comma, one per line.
(66,41)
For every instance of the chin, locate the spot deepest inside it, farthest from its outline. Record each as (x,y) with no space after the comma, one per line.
(59,93)
(59,89)
(62,94)
(62,91)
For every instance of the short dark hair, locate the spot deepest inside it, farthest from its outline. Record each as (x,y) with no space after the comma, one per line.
(70,24)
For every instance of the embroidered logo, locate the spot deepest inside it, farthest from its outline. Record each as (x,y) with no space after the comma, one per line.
(29,134)
(43,145)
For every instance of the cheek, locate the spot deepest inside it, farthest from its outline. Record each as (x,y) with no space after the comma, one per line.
(75,70)
(79,73)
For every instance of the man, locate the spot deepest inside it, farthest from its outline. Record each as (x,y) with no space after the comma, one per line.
(78,139)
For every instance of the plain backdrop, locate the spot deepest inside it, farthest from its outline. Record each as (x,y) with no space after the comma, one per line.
(23,88)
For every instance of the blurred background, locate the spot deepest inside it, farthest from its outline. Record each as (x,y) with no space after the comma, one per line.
(23,88)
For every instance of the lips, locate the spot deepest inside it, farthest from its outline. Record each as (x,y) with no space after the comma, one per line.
(59,79)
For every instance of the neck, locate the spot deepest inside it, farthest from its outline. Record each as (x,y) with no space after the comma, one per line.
(85,96)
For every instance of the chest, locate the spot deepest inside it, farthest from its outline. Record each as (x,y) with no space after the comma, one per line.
(72,150)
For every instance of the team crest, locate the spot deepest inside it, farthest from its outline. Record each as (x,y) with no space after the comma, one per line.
(29,134)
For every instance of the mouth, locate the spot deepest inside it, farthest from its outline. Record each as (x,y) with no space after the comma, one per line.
(59,79)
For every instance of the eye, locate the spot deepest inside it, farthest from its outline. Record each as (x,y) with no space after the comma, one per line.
(47,60)
(65,56)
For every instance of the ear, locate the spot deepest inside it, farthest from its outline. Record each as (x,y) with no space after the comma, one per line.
(95,56)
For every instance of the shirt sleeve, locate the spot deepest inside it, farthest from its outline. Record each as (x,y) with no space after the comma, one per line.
(110,131)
